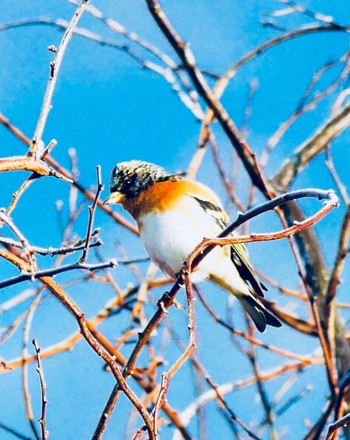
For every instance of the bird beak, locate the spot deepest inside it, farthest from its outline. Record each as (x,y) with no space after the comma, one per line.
(114,197)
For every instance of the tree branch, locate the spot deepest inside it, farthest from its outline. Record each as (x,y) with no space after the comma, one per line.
(311,148)
(54,271)
(54,70)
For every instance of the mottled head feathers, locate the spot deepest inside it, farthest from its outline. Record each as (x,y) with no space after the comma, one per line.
(133,177)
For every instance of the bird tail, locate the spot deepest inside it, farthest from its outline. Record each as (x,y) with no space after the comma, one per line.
(258,312)
(251,304)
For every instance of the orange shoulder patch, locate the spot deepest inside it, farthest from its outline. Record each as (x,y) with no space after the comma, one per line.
(165,195)
(157,198)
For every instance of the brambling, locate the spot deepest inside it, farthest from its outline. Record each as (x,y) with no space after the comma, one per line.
(173,216)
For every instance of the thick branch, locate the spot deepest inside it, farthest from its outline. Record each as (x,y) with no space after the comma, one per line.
(23,163)
(185,54)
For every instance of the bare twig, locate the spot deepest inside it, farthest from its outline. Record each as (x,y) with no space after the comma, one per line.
(18,194)
(23,163)
(24,242)
(307,151)
(339,264)
(306,105)
(166,377)
(171,72)
(54,70)
(253,340)
(248,111)
(336,178)
(333,427)
(218,392)
(224,80)
(85,328)
(295,7)
(92,210)
(55,271)
(42,420)
(25,384)
(78,246)
(265,401)
(29,181)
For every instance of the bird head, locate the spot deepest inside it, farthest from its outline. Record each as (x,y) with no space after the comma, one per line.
(130,179)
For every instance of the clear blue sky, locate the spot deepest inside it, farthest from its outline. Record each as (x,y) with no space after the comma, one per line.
(110,109)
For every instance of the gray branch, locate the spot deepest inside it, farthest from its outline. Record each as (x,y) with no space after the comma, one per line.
(55,271)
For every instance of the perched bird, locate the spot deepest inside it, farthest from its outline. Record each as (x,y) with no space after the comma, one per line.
(173,216)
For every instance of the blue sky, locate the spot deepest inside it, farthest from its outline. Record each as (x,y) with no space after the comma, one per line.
(109,109)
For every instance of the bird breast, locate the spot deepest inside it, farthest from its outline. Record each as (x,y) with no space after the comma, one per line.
(170,236)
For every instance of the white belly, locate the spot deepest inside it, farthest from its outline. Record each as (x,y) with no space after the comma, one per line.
(170,237)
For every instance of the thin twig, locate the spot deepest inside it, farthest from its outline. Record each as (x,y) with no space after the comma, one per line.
(18,194)
(265,401)
(171,72)
(25,244)
(341,188)
(217,392)
(42,420)
(333,427)
(55,271)
(253,340)
(295,7)
(92,210)
(78,246)
(58,171)
(166,377)
(85,328)
(54,70)
(304,105)
(25,384)
(339,264)
(294,399)
(29,181)
(302,155)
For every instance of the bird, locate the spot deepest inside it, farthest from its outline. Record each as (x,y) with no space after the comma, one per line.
(173,215)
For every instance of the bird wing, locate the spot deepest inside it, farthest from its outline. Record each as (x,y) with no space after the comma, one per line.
(239,256)
(238,252)
(214,211)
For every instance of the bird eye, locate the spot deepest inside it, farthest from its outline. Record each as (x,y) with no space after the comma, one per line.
(130,182)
